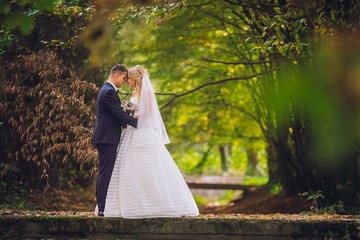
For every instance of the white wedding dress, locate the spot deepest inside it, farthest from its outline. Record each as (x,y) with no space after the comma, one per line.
(146,182)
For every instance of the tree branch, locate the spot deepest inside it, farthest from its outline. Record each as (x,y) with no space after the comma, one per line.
(200,5)
(220,19)
(234,63)
(253,63)
(217,82)
(83,128)
(165,94)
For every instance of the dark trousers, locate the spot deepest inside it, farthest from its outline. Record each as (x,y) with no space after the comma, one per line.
(107,156)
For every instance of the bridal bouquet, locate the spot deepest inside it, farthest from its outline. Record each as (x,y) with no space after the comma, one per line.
(128,107)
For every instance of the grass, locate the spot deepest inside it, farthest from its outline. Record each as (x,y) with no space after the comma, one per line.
(24,205)
(199,200)
(256,180)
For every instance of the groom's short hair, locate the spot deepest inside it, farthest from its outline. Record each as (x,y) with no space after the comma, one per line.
(118,68)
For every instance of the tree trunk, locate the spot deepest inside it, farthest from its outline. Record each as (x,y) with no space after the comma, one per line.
(224,152)
(200,165)
(253,161)
(272,164)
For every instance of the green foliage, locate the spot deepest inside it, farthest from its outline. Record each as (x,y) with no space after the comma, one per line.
(200,200)
(20,14)
(276,188)
(256,180)
(315,199)
(223,199)
(10,184)
(210,117)
(289,108)
(12,190)
(246,75)
(7,39)
(24,205)
(229,196)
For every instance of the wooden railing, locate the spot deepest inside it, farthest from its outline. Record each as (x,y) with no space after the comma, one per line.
(220,186)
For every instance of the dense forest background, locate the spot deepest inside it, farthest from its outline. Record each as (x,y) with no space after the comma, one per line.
(267,89)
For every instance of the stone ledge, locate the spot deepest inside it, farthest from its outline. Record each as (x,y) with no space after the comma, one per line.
(175,228)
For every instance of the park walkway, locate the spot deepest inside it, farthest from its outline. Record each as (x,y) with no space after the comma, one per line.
(84,225)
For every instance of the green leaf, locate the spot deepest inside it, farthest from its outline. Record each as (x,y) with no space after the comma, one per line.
(4,7)
(19,20)
(45,4)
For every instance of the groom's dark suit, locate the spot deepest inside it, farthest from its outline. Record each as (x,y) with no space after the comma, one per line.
(106,136)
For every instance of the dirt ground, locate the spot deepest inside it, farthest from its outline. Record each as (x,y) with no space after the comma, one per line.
(76,199)
(261,201)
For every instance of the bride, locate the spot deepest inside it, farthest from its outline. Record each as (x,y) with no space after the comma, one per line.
(146,182)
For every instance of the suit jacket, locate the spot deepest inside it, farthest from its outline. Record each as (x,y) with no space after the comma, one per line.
(109,117)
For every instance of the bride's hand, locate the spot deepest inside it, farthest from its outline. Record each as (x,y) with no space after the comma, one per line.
(136,117)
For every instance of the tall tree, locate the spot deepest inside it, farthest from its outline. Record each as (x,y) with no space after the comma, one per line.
(269,51)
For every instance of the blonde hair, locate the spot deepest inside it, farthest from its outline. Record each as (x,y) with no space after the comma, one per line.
(137,73)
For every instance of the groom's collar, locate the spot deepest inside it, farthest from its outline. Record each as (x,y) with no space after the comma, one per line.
(112,85)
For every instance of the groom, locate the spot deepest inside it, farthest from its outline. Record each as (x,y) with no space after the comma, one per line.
(107,131)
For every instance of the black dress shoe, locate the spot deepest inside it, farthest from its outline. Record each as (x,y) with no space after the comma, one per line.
(100,214)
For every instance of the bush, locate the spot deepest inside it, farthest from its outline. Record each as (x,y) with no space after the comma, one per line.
(48,116)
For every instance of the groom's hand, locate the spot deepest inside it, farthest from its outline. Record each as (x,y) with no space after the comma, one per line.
(136,117)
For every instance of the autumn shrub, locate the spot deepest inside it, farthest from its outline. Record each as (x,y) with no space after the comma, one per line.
(47,115)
